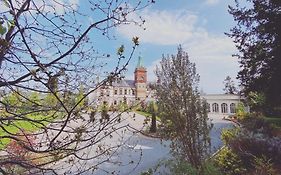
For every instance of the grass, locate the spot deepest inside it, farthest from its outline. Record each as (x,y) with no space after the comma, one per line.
(27,126)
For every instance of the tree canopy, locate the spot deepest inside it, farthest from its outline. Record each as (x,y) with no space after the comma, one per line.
(183,113)
(229,86)
(258,38)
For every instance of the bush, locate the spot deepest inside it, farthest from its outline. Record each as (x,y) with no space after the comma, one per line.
(180,167)
(17,152)
(248,145)
(229,162)
(263,165)
(241,114)
(229,134)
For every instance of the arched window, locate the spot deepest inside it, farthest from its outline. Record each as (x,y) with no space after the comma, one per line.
(232,108)
(224,108)
(215,107)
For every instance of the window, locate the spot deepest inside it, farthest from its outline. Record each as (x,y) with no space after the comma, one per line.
(215,107)
(232,108)
(224,108)
(115,102)
(120,91)
(125,91)
(115,92)
(133,92)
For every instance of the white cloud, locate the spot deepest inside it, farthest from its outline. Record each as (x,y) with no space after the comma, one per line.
(162,27)
(214,62)
(211,52)
(212,2)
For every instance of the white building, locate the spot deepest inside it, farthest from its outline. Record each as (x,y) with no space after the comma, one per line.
(125,91)
(131,91)
(222,103)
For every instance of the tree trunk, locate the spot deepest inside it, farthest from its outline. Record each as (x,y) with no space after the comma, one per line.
(153,123)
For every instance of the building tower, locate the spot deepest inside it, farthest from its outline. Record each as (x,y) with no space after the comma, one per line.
(140,80)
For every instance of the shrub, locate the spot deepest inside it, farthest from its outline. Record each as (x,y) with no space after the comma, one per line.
(263,165)
(183,167)
(16,151)
(148,172)
(229,134)
(249,144)
(180,167)
(229,162)
(241,114)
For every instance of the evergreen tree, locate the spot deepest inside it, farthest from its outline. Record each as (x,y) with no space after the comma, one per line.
(229,86)
(258,38)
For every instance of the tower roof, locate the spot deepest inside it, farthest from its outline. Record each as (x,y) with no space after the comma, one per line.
(140,63)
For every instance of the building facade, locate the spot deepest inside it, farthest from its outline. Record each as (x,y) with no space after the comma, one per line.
(131,91)
(222,103)
(125,91)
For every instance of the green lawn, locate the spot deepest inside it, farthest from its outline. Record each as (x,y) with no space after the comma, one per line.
(27,126)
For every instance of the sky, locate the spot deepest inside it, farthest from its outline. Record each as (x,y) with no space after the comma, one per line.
(197,25)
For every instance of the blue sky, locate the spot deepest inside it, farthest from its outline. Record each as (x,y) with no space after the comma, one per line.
(199,27)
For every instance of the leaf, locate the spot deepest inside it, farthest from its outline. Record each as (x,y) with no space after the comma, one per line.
(120,50)
(11,23)
(2,30)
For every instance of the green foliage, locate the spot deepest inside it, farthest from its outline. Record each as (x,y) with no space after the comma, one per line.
(122,107)
(229,134)
(29,126)
(256,101)
(241,114)
(104,113)
(33,100)
(184,116)
(229,86)
(50,100)
(249,143)
(152,107)
(80,98)
(275,122)
(229,162)
(180,167)
(209,168)
(257,37)
(15,102)
(183,167)
(263,165)
(13,99)
(148,172)
(120,50)
(2,29)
